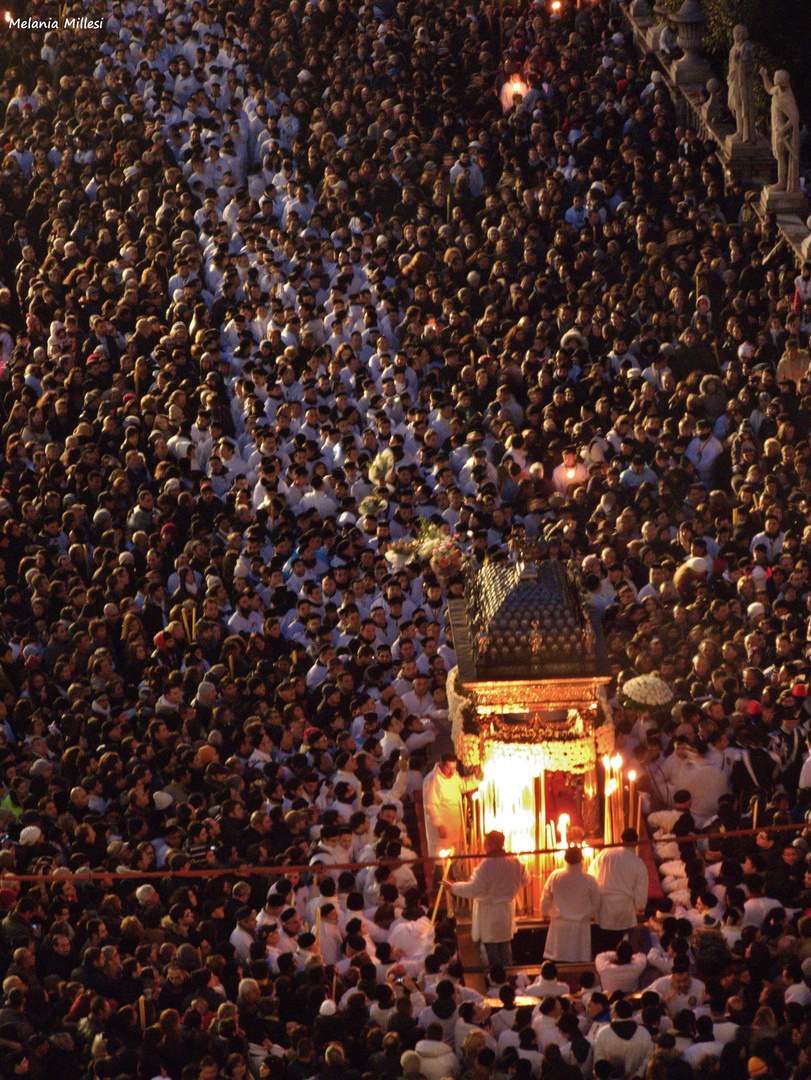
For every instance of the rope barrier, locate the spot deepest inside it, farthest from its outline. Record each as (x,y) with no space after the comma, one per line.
(280,871)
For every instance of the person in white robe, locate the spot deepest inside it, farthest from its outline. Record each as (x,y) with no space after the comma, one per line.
(623,883)
(547,984)
(442,793)
(412,935)
(679,990)
(706,785)
(623,1042)
(495,883)
(570,899)
(620,970)
(329,939)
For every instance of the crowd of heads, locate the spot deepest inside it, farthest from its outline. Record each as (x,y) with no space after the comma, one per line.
(278,284)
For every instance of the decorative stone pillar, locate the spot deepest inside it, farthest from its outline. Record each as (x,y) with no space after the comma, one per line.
(714,108)
(692,69)
(641,13)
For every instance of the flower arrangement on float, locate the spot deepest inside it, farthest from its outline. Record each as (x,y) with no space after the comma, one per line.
(465,726)
(646,694)
(431,545)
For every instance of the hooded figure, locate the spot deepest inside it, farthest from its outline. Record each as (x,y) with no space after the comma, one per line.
(623,1042)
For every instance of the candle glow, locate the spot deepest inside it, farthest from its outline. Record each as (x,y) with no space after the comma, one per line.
(445,855)
(507,801)
(563,826)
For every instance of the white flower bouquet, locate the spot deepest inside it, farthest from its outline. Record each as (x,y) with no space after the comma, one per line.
(646,693)
(401,551)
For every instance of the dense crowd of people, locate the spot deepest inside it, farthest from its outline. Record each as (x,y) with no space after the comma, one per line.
(278,285)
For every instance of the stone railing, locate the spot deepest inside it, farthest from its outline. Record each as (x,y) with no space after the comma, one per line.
(701,103)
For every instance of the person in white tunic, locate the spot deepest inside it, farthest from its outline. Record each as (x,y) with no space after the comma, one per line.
(495,883)
(443,806)
(412,934)
(622,878)
(623,1042)
(680,990)
(620,970)
(571,900)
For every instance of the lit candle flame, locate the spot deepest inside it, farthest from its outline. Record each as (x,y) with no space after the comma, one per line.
(632,775)
(7,16)
(446,853)
(616,761)
(606,762)
(570,473)
(556,5)
(612,786)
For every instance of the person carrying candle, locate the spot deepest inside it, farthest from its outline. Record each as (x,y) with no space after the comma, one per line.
(495,883)
(622,878)
(442,793)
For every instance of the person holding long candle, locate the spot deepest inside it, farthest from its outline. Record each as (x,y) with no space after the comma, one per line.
(443,804)
(495,883)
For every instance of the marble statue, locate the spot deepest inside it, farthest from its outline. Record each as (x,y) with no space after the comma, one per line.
(785,131)
(741,95)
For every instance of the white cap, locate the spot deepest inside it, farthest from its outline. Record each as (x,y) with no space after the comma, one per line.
(754,610)
(697,565)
